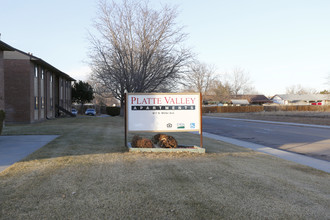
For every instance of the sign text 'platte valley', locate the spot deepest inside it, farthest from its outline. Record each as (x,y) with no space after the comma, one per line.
(170,112)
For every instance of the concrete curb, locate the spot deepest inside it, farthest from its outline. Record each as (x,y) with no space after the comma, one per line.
(195,149)
(301,159)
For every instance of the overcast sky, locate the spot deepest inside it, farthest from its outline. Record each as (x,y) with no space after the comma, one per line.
(279,42)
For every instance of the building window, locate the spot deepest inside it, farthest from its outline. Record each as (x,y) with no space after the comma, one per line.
(42,74)
(42,102)
(36,103)
(51,77)
(36,71)
(51,103)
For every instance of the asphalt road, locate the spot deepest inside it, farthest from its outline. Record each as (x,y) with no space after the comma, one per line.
(310,141)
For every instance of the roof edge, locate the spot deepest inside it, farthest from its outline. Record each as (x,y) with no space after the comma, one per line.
(38,60)
(5,47)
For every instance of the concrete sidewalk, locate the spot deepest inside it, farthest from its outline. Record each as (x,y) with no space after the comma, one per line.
(15,148)
(298,158)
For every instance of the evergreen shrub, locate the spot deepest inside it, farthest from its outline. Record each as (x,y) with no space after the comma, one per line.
(113,111)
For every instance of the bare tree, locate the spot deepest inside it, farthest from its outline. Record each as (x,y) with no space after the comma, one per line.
(240,81)
(199,77)
(327,83)
(300,90)
(102,95)
(138,49)
(221,91)
(251,90)
(325,92)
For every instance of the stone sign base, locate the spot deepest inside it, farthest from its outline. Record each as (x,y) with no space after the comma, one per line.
(179,149)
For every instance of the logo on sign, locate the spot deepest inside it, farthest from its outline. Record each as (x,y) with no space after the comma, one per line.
(169,125)
(192,125)
(180,126)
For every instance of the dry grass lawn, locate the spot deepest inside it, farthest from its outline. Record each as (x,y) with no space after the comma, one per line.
(87,173)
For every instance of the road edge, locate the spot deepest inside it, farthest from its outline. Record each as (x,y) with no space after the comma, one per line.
(271,122)
(297,158)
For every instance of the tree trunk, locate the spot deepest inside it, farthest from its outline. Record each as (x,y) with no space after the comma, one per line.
(122,106)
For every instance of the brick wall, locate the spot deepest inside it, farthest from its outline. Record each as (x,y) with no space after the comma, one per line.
(2,91)
(31,97)
(18,90)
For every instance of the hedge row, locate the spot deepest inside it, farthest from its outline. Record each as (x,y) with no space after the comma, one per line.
(237,109)
(113,111)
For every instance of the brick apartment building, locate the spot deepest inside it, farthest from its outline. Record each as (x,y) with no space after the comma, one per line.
(3,47)
(34,90)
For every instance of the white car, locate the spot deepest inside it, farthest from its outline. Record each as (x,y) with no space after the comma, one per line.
(74,111)
(90,111)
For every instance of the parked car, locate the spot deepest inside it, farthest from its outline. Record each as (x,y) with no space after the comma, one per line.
(90,112)
(74,111)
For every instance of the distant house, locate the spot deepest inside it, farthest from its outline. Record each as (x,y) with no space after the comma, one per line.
(305,99)
(34,90)
(239,102)
(250,99)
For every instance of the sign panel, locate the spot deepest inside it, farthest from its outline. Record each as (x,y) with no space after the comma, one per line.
(166,112)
